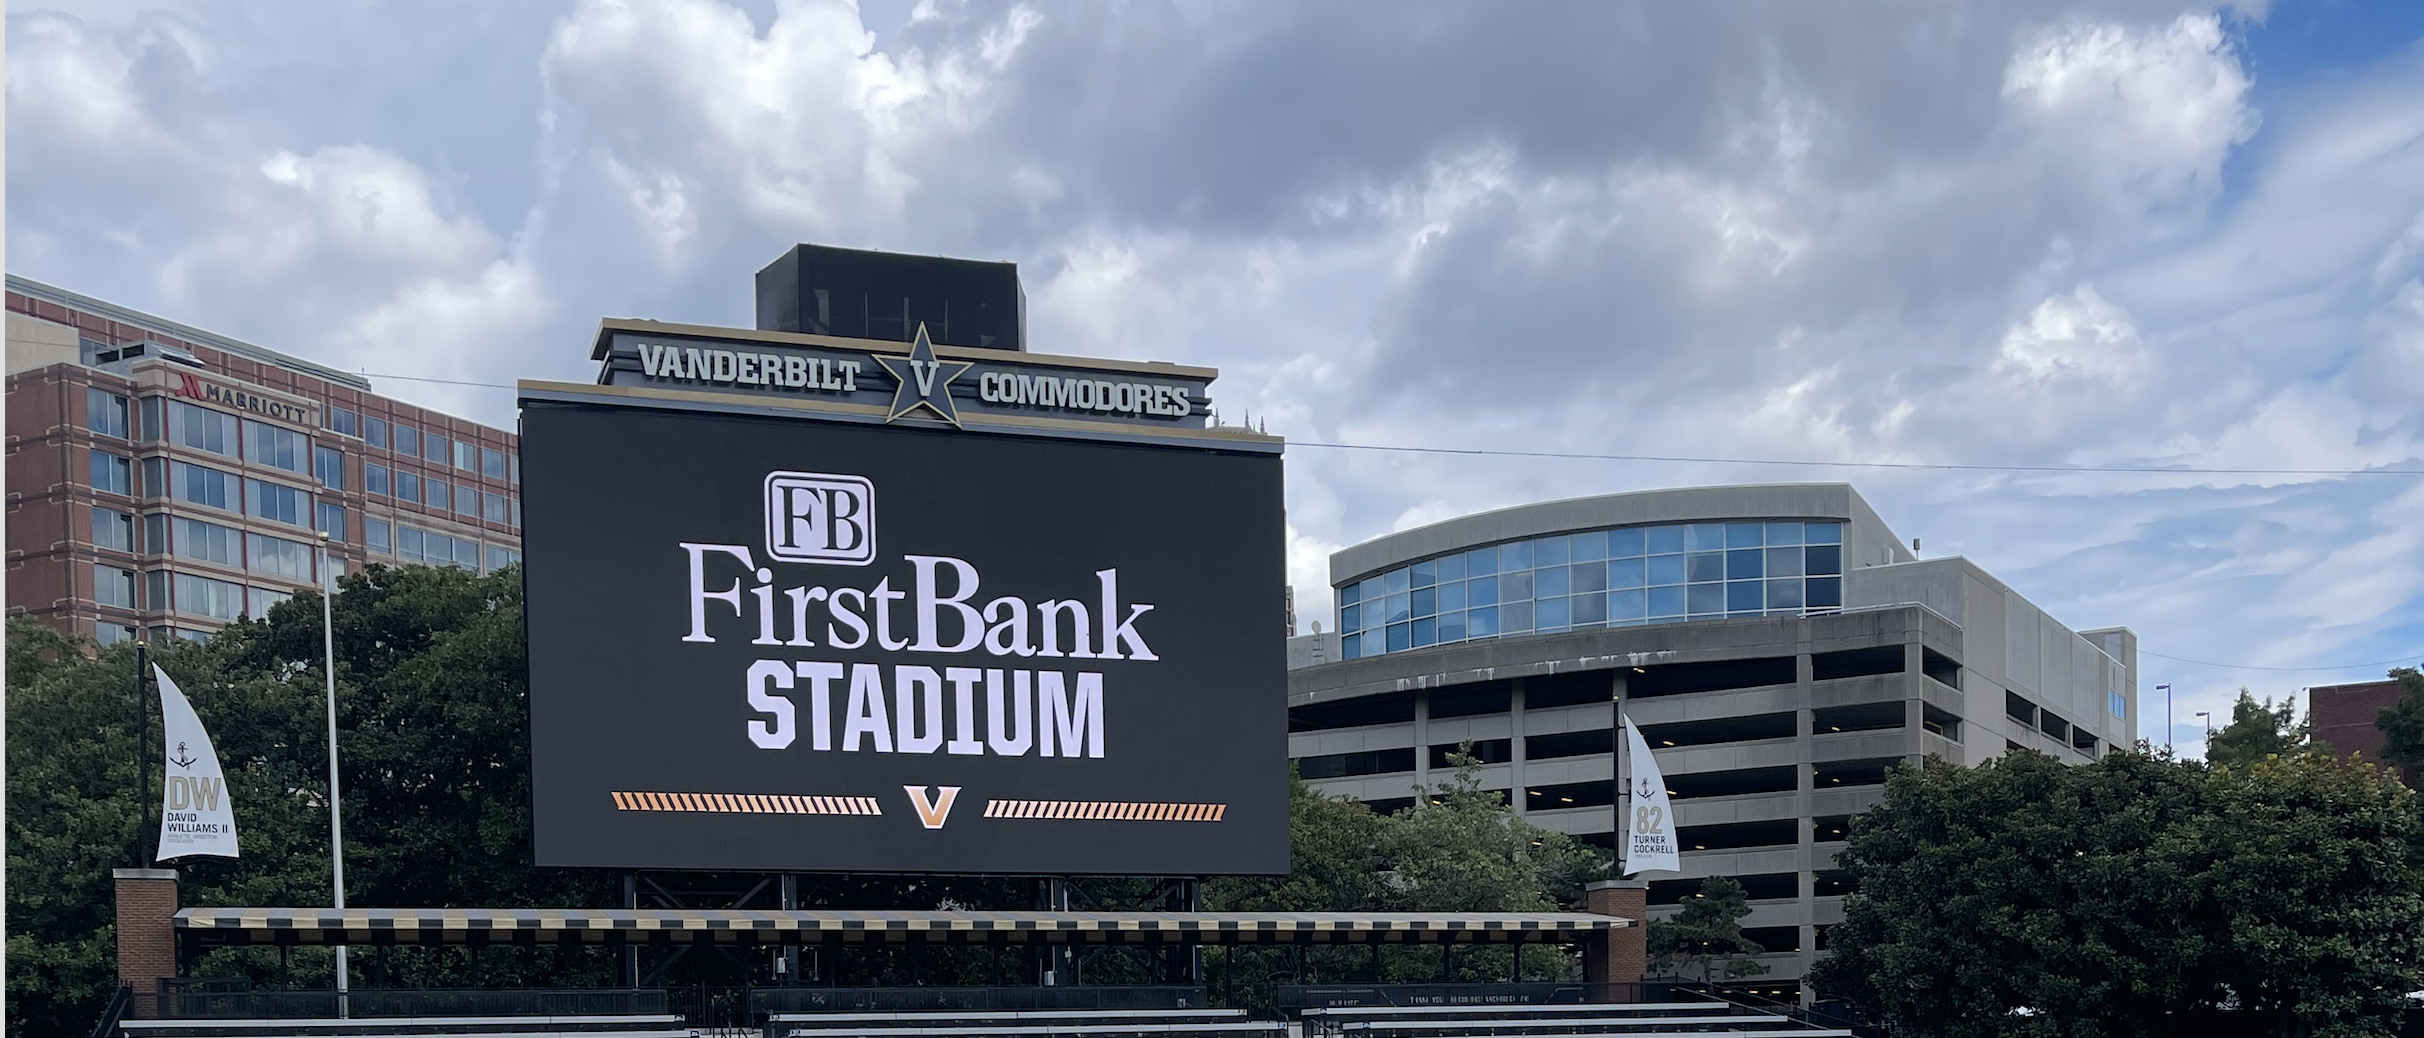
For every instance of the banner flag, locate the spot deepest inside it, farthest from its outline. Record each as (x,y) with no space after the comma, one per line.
(195,815)
(1650,839)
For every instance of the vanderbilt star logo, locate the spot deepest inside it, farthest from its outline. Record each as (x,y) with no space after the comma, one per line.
(924,381)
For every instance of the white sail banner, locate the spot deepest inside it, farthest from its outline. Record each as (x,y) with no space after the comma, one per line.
(195,815)
(1650,835)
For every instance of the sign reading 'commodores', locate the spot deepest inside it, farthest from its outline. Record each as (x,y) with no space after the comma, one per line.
(790,640)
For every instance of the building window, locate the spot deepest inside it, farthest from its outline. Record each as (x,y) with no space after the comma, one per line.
(344,422)
(277,502)
(492,463)
(492,507)
(467,502)
(374,479)
(467,456)
(113,474)
(436,549)
(433,448)
(2117,705)
(155,589)
(258,600)
(500,557)
(513,470)
(332,521)
(433,494)
(408,441)
(266,444)
(278,556)
(108,633)
(153,428)
(515,518)
(105,413)
(202,596)
(113,586)
(328,463)
(114,531)
(201,428)
(378,536)
(408,486)
(155,534)
(206,542)
(1601,578)
(374,431)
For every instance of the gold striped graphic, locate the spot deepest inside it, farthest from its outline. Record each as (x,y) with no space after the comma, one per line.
(747,803)
(1104,811)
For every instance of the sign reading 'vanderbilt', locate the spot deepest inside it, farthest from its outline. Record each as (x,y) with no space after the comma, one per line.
(771,640)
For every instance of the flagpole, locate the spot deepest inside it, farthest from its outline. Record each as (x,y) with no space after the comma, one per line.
(143,841)
(336,814)
(2167,716)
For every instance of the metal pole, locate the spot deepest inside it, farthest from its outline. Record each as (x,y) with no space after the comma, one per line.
(144,846)
(336,814)
(2167,715)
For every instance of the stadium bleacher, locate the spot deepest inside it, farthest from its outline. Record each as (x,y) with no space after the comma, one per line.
(1618,1020)
(1076,1023)
(613,1026)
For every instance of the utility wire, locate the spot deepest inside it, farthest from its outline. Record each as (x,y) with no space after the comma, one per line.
(1575,456)
(2237,666)
(1684,459)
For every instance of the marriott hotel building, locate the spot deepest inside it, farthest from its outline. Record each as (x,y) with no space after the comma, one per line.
(164,480)
(1778,645)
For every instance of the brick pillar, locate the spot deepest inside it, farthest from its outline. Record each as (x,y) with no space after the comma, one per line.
(1619,956)
(147,936)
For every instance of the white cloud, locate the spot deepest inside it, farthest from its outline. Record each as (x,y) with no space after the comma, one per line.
(1990,232)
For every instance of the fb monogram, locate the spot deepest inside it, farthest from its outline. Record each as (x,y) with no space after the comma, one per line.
(820,517)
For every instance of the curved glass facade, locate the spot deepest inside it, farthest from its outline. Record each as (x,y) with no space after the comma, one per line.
(1623,577)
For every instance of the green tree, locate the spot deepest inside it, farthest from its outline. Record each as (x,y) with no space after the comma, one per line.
(429,673)
(2026,897)
(2256,731)
(2402,725)
(1705,936)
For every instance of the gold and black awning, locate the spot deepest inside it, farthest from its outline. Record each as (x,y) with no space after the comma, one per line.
(225,926)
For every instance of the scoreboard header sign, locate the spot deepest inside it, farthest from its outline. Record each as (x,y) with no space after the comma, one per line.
(862,640)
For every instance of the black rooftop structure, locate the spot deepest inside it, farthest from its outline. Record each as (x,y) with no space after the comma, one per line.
(823,290)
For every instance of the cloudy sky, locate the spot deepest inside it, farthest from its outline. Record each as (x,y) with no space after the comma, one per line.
(2133,233)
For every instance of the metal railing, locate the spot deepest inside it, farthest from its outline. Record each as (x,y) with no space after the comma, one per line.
(119,1002)
(1295,998)
(974,999)
(223,1001)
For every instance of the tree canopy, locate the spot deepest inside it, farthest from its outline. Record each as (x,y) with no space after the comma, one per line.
(430,684)
(2256,731)
(1705,938)
(2027,897)
(2402,724)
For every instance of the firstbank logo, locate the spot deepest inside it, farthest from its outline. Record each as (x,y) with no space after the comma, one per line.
(819,517)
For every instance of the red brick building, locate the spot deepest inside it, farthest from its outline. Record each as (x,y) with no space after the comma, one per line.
(164,480)
(2342,716)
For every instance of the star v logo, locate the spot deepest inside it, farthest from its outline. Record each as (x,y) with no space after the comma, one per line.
(936,811)
(925,383)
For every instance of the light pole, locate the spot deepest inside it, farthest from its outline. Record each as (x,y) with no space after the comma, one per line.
(2167,715)
(2209,730)
(336,816)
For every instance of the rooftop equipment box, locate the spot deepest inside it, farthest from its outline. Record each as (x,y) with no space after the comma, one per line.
(822,290)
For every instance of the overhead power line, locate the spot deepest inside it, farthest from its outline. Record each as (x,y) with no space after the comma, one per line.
(1922,466)
(2242,666)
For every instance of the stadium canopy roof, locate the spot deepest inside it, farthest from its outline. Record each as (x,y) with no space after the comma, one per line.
(211,927)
